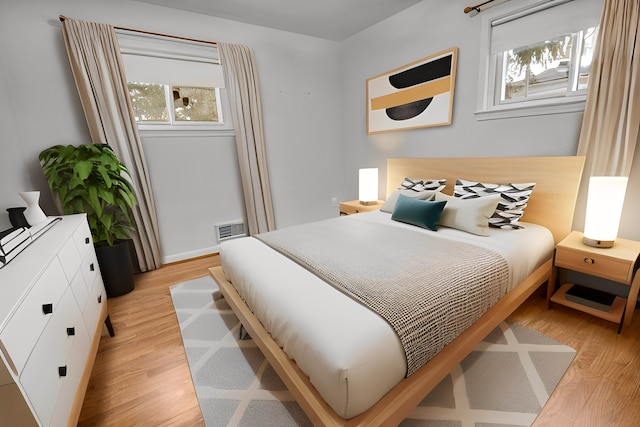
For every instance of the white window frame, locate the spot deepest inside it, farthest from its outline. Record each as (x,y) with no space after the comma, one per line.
(489,74)
(132,43)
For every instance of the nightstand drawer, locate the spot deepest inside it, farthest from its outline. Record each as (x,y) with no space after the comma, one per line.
(595,264)
(350,210)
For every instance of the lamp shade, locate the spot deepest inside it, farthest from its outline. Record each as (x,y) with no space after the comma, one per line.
(368,186)
(604,208)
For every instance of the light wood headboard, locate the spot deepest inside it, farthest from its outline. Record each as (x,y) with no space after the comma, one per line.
(551,204)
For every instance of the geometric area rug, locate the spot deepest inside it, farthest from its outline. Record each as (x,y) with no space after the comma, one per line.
(504,382)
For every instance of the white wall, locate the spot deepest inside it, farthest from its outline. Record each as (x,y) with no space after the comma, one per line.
(429,27)
(195,180)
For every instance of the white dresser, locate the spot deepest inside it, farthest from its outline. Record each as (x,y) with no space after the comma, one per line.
(52,307)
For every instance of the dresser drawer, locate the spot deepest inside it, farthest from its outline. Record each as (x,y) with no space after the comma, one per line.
(42,378)
(70,259)
(69,387)
(29,320)
(93,307)
(599,265)
(82,239)
(79,289)
(90,269)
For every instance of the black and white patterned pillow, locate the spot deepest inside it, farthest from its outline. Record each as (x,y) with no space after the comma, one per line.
(423,185)
(513,199)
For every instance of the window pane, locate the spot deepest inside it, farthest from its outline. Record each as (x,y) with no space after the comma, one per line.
(539,70)
(149,102)
(195,104)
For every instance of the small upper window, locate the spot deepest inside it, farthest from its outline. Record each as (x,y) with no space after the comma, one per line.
(172,82)
(537,57)
(554,68)
(166,104)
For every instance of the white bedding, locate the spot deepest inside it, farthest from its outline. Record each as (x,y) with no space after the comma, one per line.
(351,355)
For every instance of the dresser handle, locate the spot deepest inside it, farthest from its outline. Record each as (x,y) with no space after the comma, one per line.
(86,240)
(92,267)
(100,299)
(62,371)
(589,261)
(71,331)
(47,308)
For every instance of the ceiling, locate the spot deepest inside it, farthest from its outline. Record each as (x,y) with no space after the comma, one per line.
(327,19)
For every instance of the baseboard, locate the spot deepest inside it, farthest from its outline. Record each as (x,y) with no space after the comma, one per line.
(191,254)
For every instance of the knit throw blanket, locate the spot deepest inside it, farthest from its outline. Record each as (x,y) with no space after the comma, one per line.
(428,289)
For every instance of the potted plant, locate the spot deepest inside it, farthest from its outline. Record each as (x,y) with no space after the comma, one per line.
(91,179)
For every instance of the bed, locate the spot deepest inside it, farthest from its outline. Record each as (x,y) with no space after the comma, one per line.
(320,341)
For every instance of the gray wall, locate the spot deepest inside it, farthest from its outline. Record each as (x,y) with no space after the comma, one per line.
(314,111)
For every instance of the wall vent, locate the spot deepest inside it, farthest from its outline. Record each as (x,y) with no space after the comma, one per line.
(230,230)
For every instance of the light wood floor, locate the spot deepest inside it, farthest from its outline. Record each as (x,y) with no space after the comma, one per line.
(141,376)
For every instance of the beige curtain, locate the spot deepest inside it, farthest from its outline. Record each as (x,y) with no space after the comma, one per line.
(97,68)
(241,79)
(611,120)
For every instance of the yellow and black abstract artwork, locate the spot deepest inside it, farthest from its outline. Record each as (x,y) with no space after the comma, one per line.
(419,94)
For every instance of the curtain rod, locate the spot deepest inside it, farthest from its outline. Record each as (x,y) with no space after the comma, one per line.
(151,33)
(476,8)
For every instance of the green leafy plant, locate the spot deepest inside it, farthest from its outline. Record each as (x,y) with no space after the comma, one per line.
(91,179)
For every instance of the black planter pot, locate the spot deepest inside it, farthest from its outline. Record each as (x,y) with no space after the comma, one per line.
(116,268)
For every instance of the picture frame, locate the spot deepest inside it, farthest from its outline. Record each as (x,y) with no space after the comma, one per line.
(415,95)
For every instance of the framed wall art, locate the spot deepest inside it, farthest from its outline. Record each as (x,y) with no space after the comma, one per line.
(419,94)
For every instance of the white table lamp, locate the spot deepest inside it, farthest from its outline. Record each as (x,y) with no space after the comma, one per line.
(368,186)
(604,208)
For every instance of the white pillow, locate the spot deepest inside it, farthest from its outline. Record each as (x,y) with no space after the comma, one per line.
(470,215)
(390,204)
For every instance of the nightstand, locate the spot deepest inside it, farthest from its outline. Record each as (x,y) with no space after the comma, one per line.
(353,207)
(618,264)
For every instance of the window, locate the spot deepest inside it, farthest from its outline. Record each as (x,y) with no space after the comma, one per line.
(167,104)
(537,58)
(553,68)
(173,84)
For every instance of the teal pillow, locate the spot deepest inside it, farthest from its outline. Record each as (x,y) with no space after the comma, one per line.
(422,213)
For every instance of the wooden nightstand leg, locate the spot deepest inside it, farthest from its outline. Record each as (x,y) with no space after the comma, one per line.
(632,299)
(551,285)
(621,323)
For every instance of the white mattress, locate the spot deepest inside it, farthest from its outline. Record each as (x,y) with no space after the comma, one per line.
(351,355)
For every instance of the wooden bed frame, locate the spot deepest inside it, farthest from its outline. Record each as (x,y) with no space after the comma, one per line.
(551,204)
